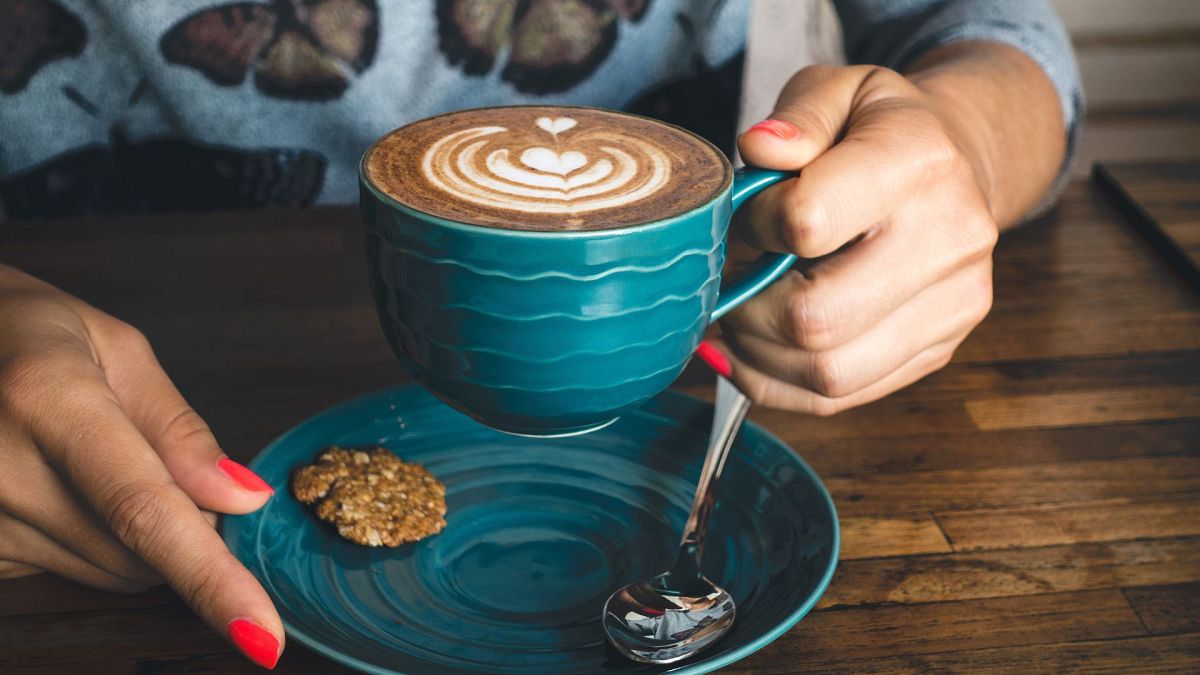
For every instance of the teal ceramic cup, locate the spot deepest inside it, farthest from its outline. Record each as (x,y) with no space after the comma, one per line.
(554,333)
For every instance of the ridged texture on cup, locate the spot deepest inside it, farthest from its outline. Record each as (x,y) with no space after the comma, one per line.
(544,333)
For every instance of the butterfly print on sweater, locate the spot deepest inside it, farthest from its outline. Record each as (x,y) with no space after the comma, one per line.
(306,50)
(551,45)
(32,34)
(127,175)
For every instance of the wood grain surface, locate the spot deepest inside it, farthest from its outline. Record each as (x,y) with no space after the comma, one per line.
(1161,199)
(1033,507)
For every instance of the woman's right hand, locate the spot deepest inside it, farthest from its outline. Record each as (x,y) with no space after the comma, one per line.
(107,476)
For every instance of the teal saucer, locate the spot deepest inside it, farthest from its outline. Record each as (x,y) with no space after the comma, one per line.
(539,532)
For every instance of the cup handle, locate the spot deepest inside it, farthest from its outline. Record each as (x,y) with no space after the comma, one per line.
(748,182)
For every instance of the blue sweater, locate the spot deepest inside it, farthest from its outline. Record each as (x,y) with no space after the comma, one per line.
(115,106)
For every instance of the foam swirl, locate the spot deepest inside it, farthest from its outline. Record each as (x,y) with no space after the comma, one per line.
(560,169)
(546,168)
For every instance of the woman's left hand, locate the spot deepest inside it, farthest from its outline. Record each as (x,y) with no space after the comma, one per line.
(897,236)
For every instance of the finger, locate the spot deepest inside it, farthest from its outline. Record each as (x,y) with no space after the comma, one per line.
(938,315)
(843,295)
(24,544)
(809,117)
(890,147)
(177,433)
(12,570)
(714,358)
(768,391)
(87,436)
(31,491)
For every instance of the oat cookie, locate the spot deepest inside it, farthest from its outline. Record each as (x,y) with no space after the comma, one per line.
(372,496)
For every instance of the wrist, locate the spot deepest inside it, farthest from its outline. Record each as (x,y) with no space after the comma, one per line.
(1003,112)
(968,128)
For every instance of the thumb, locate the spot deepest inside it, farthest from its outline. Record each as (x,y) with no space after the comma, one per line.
(810,115)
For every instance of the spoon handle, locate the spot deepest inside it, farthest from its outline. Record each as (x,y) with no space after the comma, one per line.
(728,413)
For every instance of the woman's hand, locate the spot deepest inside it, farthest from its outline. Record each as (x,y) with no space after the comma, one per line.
(107,476)
(892,215)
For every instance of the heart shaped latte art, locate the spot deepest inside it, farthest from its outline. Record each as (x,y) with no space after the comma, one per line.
(556,125)
(553,166)
(545,159)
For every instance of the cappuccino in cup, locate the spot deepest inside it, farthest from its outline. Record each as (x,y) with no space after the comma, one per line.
(544,269)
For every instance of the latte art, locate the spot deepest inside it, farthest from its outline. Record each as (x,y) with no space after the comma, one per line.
(546,168)
(574,171)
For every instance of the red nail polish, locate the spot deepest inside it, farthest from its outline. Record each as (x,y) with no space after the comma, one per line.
(715,359)
(243,476)
(784,130)
(255,642)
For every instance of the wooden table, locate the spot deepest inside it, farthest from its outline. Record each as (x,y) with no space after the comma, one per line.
(1033,507)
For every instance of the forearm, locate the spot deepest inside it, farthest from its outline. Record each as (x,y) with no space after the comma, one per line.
(1005,114)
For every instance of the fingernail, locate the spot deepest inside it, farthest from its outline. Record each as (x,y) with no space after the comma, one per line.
(255,642)
(715,359)
(785,130)
(243,476)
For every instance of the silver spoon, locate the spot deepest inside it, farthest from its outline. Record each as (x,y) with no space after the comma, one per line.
(669,617)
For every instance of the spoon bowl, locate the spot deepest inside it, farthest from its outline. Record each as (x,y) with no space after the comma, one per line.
(663,620)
